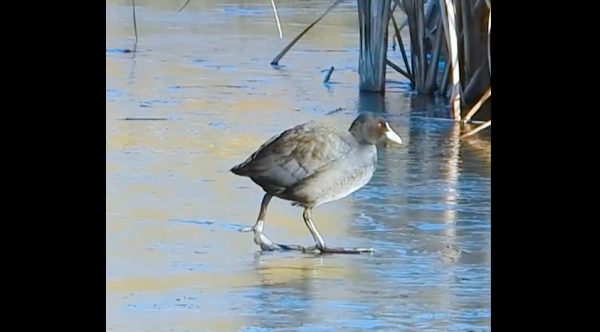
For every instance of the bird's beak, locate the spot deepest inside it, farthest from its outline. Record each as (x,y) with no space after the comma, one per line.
(391,134)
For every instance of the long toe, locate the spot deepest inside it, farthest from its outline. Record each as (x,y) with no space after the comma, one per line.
(266,247)
(262,240)
(289,247)
(337,250)
(311,249)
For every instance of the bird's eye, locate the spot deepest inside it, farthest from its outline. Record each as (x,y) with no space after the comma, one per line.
(380,125)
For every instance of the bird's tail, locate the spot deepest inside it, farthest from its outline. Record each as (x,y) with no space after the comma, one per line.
(239,169)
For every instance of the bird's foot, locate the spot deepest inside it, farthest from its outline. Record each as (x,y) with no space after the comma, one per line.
(336,250)
(264,242)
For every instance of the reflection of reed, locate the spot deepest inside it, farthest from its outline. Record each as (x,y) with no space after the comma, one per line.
(450,170)
(478,146)
(477,149)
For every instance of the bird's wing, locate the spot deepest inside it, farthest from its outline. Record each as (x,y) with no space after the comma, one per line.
(296,153)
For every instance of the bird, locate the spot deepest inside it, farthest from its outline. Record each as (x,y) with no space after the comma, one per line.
(312,164)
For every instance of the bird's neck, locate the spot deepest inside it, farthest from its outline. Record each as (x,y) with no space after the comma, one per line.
(359,138)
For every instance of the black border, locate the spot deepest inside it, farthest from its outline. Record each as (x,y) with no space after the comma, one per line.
(58,122)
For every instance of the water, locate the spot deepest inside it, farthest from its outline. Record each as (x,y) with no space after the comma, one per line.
(206,96)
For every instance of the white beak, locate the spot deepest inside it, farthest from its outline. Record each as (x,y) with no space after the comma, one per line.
(391,135)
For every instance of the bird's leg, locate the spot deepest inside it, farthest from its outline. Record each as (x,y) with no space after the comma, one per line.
(259,236)
(320,242)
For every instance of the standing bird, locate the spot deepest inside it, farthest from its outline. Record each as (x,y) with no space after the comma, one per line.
(312,164)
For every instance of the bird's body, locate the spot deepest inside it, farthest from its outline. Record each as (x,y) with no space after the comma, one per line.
(312,164)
